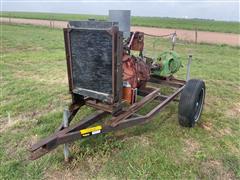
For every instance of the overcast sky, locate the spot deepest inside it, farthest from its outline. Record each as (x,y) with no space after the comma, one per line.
(207,9)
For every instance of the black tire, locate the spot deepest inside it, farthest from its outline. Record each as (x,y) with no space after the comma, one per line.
(191,103)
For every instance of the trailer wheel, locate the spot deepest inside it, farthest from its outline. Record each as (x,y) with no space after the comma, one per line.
(191,103)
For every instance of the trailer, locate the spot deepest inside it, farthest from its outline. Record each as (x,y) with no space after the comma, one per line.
(104,74)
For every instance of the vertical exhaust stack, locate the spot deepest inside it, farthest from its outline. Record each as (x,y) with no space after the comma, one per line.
(123,19)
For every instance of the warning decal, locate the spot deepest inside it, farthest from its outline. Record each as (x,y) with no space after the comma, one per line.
(91,131)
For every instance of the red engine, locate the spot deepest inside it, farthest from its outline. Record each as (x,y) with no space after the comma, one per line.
(135,69)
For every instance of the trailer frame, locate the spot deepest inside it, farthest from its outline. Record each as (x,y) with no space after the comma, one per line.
(124,118)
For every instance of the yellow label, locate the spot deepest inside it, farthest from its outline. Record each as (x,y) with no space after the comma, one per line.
(92,129)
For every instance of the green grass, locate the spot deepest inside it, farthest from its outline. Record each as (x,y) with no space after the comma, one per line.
(190,24)
(34,92)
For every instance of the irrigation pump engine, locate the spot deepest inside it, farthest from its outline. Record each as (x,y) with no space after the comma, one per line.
(108,71)
(137,70)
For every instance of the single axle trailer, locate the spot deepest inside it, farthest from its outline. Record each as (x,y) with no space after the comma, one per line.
(105,75)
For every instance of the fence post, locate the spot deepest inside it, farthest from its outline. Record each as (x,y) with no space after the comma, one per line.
(174,36)
(196,35)
(9,18)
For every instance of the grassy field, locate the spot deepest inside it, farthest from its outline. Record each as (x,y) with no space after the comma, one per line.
(191,24)
(34,92)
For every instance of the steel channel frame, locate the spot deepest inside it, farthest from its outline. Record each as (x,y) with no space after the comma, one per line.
(124,119)
(51,142)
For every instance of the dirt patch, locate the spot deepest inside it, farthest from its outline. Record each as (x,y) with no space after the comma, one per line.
(225,131)
(142,140)
(214,169)
(95,163)
(234,111)
(206,125)
(191,146)
(219,133)
(238,87)
(39,78)
(188,35)
(8,122)
(211,101)
(66,174)
(17,150)
(78,169)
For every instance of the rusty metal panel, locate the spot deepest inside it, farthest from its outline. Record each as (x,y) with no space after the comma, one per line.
(68,57)
(118,65)
(94,57)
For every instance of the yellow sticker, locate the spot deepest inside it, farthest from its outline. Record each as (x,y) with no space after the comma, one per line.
(92,129)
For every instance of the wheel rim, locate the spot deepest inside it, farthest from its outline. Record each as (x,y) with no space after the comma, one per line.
(199,105)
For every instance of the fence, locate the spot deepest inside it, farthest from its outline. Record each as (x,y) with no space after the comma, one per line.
(185,35)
